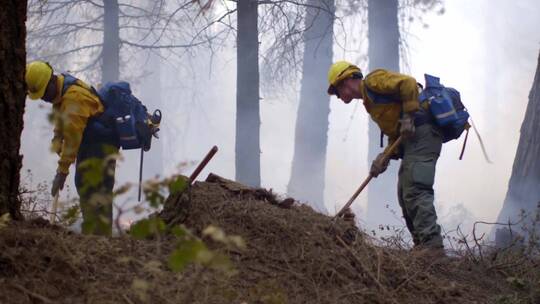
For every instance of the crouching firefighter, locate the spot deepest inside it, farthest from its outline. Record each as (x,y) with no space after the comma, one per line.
(89,129)
(393,102)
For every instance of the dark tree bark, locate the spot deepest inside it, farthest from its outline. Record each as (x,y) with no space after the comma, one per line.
(383,52)
(524,186)
(248,120)
(311,138)
(110,56)
(12,101)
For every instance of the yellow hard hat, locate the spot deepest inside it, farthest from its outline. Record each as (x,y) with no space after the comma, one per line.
(38,75)
(339,71)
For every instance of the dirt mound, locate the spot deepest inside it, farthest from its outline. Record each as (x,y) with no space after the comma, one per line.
(310,258)
(40,263)
(293,255)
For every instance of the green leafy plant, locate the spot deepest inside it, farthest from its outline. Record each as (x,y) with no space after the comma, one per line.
(4,220)
(191,249)
(147,227)
(71,215)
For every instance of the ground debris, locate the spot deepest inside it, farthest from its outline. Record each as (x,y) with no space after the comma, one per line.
(293,255)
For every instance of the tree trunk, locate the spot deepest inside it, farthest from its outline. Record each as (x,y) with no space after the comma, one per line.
(12,101)
(248,120)
(110,68)
(383,52)
(151,97)
(524,186)
(311,138)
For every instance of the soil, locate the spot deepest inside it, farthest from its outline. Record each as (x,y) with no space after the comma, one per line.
(293,255)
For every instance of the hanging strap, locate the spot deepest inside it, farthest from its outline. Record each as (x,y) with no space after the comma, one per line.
(382,137)
(140,173)
(464,144)
(481,141)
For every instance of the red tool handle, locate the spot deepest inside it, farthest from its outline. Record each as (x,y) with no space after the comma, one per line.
(203,164)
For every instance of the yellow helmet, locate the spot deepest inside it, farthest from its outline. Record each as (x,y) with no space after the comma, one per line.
(38,75)
(339,71)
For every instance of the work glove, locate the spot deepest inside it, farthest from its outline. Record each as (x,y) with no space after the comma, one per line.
(56,145)
(406,126)
(58,183)
(379,165)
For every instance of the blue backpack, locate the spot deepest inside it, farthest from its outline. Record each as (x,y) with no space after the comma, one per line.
(131,118)
(125,117)
(446,107)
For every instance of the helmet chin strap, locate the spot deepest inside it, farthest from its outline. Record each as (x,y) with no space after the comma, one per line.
(53,82)
(357,75)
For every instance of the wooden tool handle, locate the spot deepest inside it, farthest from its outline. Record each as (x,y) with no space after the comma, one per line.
(54,209)
(203,164)
(387,155)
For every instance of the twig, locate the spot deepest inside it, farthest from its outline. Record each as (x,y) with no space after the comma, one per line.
(463,237)
(381,287)
(191,292)
(412,276)
(477,242)
(378,265)
(500,266)
(117,220)
(32,294)
(127,299)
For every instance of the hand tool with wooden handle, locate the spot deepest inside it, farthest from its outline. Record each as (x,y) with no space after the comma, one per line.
(203,164)
(54,209)
(387,154)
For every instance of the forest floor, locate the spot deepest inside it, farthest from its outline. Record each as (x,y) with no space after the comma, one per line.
(292,254)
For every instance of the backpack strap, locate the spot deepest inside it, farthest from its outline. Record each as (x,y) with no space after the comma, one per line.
(379,98)
(102,120)
(68,81)
(421,117)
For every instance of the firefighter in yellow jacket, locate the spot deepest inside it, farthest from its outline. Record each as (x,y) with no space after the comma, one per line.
(391,99)
(73,107)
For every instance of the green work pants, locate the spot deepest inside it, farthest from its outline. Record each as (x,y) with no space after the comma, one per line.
(94,179)
(415,185)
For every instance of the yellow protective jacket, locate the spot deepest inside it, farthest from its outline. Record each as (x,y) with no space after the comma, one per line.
(71,112)
(386,115)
